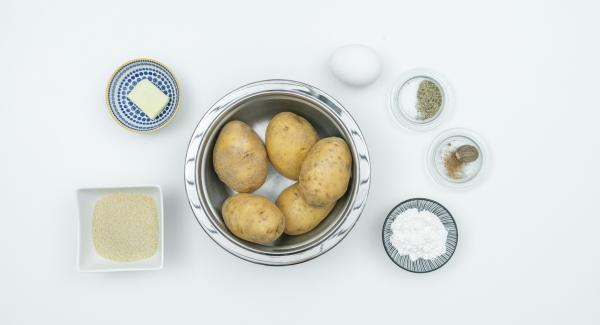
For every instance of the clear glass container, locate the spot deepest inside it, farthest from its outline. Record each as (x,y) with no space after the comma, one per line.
(404,100)
(445,145)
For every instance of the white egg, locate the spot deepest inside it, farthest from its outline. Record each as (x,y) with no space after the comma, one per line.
(355,65)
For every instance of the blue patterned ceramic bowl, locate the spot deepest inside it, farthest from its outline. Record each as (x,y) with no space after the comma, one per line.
(124,111)
(421,265)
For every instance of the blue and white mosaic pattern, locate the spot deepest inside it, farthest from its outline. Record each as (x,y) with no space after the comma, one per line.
(123,81)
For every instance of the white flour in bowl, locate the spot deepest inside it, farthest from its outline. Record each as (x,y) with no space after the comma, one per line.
(419,234)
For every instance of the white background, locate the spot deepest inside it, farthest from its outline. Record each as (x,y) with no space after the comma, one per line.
(525,75)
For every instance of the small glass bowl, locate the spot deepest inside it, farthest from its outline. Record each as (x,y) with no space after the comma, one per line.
(403,99)
(444,145)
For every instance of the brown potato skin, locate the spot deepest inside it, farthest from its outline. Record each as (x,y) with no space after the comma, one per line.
(253,218)
(300,217)
(239,157)
(325,172)
(288,139)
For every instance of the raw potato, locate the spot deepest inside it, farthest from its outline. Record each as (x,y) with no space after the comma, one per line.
(300,217)
(253,218)
(325,172)
(239,158)
(289,138)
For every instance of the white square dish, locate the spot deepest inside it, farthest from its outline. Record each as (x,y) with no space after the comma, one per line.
(88,260)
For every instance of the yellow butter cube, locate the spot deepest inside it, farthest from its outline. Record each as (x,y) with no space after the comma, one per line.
(148,98)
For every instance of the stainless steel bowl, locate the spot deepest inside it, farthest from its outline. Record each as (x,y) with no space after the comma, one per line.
(256,104)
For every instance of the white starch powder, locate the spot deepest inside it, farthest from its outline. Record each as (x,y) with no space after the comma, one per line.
(419,234)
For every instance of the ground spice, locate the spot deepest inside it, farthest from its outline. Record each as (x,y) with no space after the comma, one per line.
(453,166)
(429,99)
(456,160)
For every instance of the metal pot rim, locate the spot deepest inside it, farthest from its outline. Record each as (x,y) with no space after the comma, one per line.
(326,102)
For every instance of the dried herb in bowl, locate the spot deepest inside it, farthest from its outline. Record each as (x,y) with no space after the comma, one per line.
(429,99)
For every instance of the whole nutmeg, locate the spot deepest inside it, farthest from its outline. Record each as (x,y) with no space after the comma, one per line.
(467,153)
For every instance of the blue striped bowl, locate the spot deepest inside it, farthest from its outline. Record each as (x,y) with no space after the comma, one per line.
(421,265)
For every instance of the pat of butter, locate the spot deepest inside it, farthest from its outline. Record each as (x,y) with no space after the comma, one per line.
(148,98)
